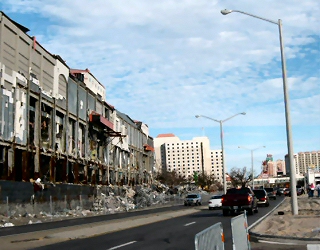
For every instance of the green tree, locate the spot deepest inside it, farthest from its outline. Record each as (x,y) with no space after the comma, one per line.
(195,177)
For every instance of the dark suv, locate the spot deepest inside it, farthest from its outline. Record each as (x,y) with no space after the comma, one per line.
(271,193)
(262,197)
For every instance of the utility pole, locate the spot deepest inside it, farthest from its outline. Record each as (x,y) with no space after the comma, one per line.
(202,163)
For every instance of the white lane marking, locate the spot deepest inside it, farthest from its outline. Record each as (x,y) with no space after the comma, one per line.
(125,244)
(189,224)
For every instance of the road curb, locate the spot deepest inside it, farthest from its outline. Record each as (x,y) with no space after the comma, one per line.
(258,236)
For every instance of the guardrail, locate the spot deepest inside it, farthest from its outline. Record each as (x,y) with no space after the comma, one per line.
(212,238)
(240,235)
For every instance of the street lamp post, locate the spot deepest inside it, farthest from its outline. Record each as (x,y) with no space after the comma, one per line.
(252,161)
(294,200)
(222,148)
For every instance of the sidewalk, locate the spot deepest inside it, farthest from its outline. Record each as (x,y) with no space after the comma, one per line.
(289,231)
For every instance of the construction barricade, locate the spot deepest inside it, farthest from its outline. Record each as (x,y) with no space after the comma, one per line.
(212,238)
(240,235)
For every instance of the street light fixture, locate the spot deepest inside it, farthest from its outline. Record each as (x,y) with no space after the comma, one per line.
(222,149)
(252,161)
(294,200)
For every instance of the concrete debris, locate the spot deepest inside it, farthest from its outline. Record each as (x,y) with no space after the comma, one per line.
(8,224)
(106,200)
(86,212)
(36,222)
(316,230)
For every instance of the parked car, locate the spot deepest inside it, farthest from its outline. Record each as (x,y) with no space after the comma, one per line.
(271,193)
(262,196)
(215,202)
(239,199)
(280,191)
(192,199)
(300,191)
(287,192)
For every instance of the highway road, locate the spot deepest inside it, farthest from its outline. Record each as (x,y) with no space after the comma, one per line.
(175,233)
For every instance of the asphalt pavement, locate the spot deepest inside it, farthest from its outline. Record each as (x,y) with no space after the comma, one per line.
(46,234)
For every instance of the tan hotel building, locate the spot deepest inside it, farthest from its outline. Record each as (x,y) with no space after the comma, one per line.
(187,156)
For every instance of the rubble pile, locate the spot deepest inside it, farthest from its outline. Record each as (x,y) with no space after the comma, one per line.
(145,197)
(106,200)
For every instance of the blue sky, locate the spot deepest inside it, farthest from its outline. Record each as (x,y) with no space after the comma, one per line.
(164,62)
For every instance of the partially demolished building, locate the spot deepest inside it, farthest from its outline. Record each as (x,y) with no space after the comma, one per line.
(55,123)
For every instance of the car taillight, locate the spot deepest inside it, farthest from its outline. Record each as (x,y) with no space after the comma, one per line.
(249,198)
(223,199)
(263,199)
(209,202)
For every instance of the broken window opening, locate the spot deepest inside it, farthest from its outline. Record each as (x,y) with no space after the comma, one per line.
(32,108)
(45,126)
(44,168)
(93,154)
(81,140)
(71,137)
(70,173)
(60,133)
(90,170)
(59,171)
(2,158)
(82,176)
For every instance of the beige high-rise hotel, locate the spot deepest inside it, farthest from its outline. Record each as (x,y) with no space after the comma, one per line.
(187,156)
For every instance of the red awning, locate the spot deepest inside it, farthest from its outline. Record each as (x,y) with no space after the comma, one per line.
(97,118)
(147,147)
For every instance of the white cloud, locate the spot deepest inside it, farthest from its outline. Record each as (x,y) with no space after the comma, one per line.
(163,62)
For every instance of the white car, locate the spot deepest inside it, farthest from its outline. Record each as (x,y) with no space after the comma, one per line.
(215,202)
(192,199)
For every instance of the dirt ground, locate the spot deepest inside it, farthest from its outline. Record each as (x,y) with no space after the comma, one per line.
(304,225)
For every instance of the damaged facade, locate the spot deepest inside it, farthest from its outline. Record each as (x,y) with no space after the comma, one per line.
(55,123)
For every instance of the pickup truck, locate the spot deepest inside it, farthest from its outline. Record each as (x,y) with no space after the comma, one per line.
(239,199)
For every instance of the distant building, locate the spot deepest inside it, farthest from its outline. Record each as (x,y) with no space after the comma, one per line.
(272,168)
(188,156)
(217,164)
(303,161)
(308,159)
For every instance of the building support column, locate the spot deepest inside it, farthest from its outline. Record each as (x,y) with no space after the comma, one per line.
(11,174)
(64,171)
(76,172)
(85,176)
(25,170)
(52,169)
(37,138)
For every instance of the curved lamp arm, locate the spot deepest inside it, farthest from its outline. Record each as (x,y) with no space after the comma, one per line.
(226,12)
(220,121)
